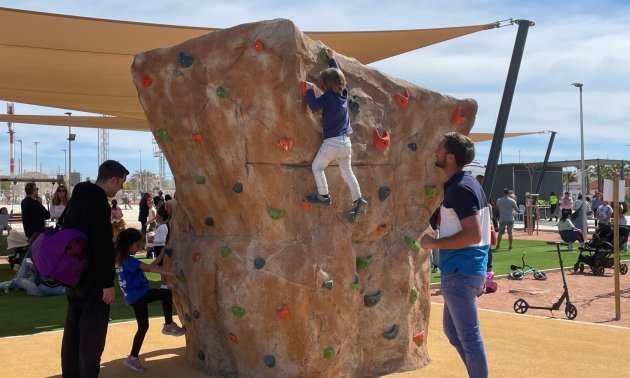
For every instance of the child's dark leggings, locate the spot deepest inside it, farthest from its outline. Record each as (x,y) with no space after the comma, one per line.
(141,309)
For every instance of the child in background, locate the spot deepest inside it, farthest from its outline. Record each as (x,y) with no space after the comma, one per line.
(136,291)
(4,221)
(337,130)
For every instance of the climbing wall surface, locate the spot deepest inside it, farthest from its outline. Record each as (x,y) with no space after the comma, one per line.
(267,284)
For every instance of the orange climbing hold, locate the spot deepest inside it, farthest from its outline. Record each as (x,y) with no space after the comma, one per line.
(306,205)
(284,313)
(258,45)
(381,142)
(146,81)
(234,338)
(457,118)
(418,338)
(303,87)
(402,100)
(286,144)
(381,228)
(197,138)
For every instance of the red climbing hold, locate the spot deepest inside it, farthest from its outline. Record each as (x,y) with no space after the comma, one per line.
(286,144)
(196,256)
(197,138)
(146,81)
(402,100)
(258,45)
(457,118)
(234,338)
(284,313)
(303,88)
(381,142)
(418,338)
(306,205)
(381,228)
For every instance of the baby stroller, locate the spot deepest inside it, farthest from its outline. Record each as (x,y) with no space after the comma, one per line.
(597,252)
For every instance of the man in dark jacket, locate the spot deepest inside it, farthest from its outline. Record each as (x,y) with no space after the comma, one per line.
(87,316)
(34,214)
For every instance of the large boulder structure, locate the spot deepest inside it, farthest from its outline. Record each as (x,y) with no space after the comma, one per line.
(268,285)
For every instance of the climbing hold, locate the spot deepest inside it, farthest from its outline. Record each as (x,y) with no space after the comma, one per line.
(209,221)
(238,311)
(270,360)
(391,333)
(195,314)
(328,284)
(222,92)
(363,262)
(306,205)
(303,87)
(200,180)
(381,228)
(259,263)
(329,353)
(418,338)
(196,257)
(258,45)
(163,134)
(225,251)
(354,105)
(238,187)
(285,144)
(457,118)
(413,146)
(429,191)
(412,243)
(187,317)
(169,251)
(146,81)
(356,285)
(275,213)
(185,60)
(383,192)
(284,313)
(372,299)
(233,338)
(323,56)
(381,142)
(197,138)
(201,355)
(181,277)
(413,295)
(402,100)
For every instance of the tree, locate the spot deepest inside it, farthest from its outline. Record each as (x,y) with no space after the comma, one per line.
(569,177)
(143,180)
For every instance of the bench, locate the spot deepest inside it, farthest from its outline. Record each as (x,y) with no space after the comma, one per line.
(15,217)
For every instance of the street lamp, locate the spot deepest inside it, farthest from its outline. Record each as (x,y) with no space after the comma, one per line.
(65,162)
(140,170)
(20,169)
(71,137)
(36,156)
(584,224)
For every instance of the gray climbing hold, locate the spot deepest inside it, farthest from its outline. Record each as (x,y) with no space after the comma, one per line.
(269,360)
(238,187)
(413,146)
(201,355)
(185,60)
(372,299)
(383,193)
(196,314)
(209,221)
(391,333)
(259,263)
(169,251)
(328,284)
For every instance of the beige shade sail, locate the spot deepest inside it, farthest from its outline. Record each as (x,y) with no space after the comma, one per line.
(84,64)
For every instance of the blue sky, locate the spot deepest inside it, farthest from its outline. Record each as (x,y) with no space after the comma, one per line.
(572,41)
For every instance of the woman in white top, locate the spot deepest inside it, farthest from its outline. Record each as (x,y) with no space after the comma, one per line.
(151,221)
(568,232)
(59,202)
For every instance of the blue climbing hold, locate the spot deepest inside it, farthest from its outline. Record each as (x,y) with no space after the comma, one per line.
(185,60)
(209,221)
(259,263)
(372,299)
(354,105)
(391,333)
(413,146)
(384,192)
(269,360)
(238,187)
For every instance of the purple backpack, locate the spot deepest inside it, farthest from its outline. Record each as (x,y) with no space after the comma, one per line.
(60,254)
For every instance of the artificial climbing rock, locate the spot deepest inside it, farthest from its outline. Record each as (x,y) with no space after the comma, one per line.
(263,135)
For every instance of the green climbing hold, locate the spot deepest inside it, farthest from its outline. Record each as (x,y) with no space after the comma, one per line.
(163,134)
(187,317)
(413,295)
(429,191)
(275,213)
(356,285)
(181,277)
(200,180)
(329,353)
(222,92)
(412,243)
(225,251)
(354,105)
(238,311)
(323,56)
(363,262)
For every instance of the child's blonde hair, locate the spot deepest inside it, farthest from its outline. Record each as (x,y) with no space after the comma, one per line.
(333,80)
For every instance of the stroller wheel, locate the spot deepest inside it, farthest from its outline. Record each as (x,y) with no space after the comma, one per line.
(570,311)
(598,270)
(540,276)
(581,267)
(520,306)
(623,268)
(517,275)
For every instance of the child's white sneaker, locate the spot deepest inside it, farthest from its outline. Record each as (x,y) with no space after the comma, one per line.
(133,363)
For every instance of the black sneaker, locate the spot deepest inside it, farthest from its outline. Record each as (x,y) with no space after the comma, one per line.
(359,205)
(318,199)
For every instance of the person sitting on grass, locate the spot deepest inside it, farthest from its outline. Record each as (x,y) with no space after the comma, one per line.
(36,284)
(568,232)
(138,294)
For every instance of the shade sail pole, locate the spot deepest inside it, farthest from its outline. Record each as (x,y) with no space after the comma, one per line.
(544,167)
(506,103)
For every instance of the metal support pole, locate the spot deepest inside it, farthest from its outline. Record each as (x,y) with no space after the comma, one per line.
(506,103)
(583,178)
(544,167)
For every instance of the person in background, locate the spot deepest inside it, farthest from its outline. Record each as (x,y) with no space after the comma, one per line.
(595,204)
(35,284)
(568,232)
(464,244)
(59,202)
(118,223)
(143,214)
(566,203)
(623,222)
(34,214)
(507,207)
(576,216)
(4,221)
(553,206)
(604,214)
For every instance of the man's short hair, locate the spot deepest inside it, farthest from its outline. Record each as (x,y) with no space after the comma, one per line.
(109,169)
(460,146)
(30,188)
(506,191)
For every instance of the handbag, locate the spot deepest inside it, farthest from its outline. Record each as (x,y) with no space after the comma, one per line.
(59,254)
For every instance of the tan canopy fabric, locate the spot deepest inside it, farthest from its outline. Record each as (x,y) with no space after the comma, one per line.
(84,64)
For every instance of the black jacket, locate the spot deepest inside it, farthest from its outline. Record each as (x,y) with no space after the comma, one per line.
(34,216)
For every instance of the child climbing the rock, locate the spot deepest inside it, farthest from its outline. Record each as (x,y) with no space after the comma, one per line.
(337,130)
(137,293)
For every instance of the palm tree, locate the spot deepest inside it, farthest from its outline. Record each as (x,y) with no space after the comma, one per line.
(143,180)
(569,177)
